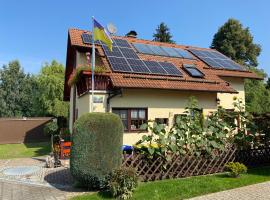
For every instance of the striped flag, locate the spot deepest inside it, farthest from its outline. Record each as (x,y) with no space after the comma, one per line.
(101,34)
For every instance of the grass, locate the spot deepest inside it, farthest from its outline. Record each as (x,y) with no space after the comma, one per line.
(8,151)
(189,187)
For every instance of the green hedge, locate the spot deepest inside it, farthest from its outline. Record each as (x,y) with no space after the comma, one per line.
(96,148)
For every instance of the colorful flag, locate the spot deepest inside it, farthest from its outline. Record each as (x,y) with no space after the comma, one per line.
(101,34)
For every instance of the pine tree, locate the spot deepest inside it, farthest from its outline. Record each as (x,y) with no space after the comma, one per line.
(163,34)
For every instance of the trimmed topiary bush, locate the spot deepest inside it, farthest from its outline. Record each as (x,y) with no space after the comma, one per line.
(96,148)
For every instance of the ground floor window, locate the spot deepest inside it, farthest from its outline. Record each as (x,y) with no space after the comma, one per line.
(132,118)
(164,121)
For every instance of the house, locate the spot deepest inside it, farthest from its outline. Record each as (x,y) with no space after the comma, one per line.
(147,80)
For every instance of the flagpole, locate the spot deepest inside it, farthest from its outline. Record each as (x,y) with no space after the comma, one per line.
(93,67)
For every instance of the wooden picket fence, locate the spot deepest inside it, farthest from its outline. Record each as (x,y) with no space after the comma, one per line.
(178,166)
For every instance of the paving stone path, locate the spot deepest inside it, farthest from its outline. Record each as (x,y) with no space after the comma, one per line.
(44,183)
(260,191)
(16,191)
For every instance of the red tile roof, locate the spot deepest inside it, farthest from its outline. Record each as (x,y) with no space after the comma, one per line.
(212,81)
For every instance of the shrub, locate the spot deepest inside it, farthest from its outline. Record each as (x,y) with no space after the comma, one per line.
(96,149)
(51,128)
(122,183)
(75,77)
(235,169)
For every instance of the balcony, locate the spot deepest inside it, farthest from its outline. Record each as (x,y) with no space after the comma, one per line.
(84,82)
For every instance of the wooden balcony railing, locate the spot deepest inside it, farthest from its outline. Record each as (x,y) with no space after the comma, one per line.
(84,84)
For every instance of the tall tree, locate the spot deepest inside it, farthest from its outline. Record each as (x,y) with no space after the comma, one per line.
(163,34)
(236,42)
(257,94)
(50,84)
(16,91)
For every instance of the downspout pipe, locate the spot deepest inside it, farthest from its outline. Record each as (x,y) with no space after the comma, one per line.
(112,95)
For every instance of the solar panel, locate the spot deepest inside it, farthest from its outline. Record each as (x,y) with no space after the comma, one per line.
(87,38)
(184,53)
(119,64)
(193,71)
(155,67)
(217,55)
(171,52)
(232,64)
(170,69)
(162,51)
(129,53)
(121,43)
(137,66)
(142,48)
(216,60)
(212,62)
(157,50)
(115,51)
(197,53)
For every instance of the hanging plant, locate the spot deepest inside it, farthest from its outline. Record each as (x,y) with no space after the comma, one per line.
(77,72)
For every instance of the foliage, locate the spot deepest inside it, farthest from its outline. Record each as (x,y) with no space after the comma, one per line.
(163,34)
(257,94)
(191,134)
(185,188)
(76,74)
(235,169)
(96,149)
(122,182)
(245,128)
(236,42)
(50,83)
(16,90)
(32,95)
(51,128)
(262,123)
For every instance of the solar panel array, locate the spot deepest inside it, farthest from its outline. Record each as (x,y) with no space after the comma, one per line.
(193,71)
(123,58)
(162,51)
(216,60)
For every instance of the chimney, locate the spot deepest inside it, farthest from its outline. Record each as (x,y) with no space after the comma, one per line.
(132,34)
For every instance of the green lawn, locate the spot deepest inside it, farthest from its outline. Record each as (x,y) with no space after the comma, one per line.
(24,150)
(190,187)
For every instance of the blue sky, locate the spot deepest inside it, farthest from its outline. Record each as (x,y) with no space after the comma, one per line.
(36,31)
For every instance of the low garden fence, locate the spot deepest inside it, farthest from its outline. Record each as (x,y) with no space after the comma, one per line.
(184,166)
(254,157)
(178,166)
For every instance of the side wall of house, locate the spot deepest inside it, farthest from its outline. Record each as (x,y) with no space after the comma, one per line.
(160,104)
(226,99)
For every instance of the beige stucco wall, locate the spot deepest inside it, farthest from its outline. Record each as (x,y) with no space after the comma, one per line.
(83,105)
(226,99)
(160,104)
